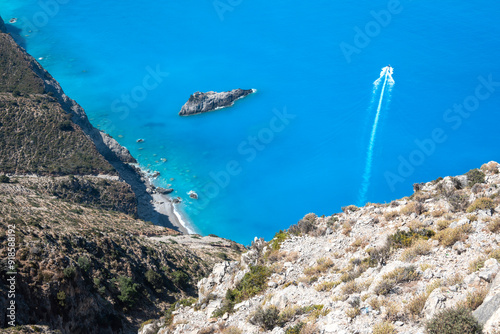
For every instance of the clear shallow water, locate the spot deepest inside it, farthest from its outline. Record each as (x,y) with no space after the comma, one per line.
(101,52)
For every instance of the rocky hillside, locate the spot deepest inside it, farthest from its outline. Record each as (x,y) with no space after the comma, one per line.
(382,268)
(84,269)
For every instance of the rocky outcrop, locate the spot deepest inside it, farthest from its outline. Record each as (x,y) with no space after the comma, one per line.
(358,270)
(204,102)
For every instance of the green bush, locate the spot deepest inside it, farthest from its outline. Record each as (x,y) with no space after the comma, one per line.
(128,291)
(267,318)
(253,283)
(84,263)
(180,278)
(69,272)
(453,321)
(278,240)
(403,239)
(475,176)
(61,297)
(154,279)
(4,179)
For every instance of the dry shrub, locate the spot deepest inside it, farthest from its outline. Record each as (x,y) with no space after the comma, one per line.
(359,242)
(449,236)
(208,330)
(232,330)
(346,228)
(392,310)
(395,277)
(476,264)
(420,247)
(494,225)
(436,213)
(352,312)
(417,303)
(384,327)
(323,264)
(475,299)
(375,303)
(351,287)
(309,329)
(491,167)
(413,207)
(443,224)
(350,208)
(327,286)
(455,279)
(483,203)
(390,215)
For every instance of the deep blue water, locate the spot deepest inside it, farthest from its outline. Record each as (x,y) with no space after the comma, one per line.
(292,52)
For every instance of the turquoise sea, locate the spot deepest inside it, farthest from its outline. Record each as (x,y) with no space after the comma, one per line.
(309,139)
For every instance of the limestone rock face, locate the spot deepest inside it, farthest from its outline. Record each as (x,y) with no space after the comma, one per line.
(204,102)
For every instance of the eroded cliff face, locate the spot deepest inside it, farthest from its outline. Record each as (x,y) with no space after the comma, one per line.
(374,269)
(204,102)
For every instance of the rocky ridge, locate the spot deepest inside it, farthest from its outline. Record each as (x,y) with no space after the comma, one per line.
(204,102)
(381,268)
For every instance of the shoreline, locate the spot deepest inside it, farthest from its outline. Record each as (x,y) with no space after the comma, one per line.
(164,205)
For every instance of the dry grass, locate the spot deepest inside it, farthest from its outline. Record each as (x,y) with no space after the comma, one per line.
(395,277)
(346,228)
(443,224)
(483,203)
(390,215)
(232,330)
(351,287)
(420,247)
(384,327)
(449,236)
(323,265)
(476,264)
(352,312)
(491,167)
(413,207)
(475,299)
(327,286)
(494,225)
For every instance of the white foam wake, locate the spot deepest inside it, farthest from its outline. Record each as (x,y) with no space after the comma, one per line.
(386,75)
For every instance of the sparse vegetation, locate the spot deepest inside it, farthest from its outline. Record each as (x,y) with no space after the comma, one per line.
(449,236)
(403,239)
(453,321)
(475,176)
(253,283)
(384,327)
(395,277)
(483,203)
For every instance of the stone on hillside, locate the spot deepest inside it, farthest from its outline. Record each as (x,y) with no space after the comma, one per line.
(434,303)
(488,313)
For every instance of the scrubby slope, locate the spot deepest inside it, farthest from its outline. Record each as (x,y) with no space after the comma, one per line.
(382,268)
(86,270)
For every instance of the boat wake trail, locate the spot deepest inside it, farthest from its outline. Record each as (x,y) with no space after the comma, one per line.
(388,82)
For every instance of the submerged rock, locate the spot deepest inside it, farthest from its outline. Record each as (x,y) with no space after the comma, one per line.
(193,194)
(203,102)
(164,191)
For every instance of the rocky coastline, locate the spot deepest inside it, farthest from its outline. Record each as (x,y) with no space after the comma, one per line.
(204,102)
